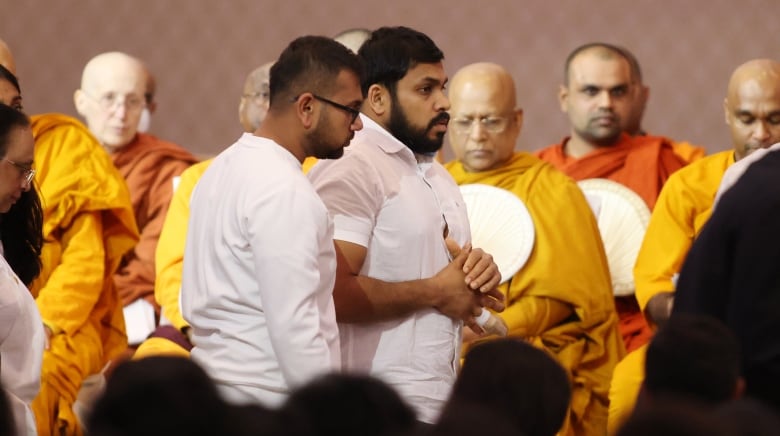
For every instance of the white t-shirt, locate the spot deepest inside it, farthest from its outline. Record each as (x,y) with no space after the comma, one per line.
(380,197)
(21,347)
(259,269)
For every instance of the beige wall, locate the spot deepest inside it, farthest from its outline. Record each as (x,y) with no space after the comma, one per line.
(201,50)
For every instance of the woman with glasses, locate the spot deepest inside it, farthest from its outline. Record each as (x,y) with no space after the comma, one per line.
(21,329)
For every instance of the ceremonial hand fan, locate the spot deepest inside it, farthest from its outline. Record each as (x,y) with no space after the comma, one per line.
(500,225)
(622,217)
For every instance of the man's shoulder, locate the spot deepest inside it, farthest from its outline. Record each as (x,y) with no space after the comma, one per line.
(150,149)
(712,166)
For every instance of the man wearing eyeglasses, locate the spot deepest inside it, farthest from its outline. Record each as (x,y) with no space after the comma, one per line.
(561,299)
(395,211)
(111,99)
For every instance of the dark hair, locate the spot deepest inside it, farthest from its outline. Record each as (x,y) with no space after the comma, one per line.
(633,64)
(517,380)
(21,228)
(693,355)
(310,63)
(158,395)
(675,417)
(347,405)
(9,76)
(391,51)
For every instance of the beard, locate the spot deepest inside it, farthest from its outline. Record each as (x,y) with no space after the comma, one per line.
(417,139)
(323,145)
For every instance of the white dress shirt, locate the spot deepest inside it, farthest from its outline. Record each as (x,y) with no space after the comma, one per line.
(380,197)
(21,348)
(259,269)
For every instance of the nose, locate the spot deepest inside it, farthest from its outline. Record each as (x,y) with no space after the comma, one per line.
(761,132)
(357,124)
(476,130)
(605,99)
(26,184)
(442,103)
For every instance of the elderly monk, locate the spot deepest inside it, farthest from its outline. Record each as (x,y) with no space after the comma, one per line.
(752,110)
(562,298)
(597,94)
(632,124)
(88,227)
(111,99)
(169,258)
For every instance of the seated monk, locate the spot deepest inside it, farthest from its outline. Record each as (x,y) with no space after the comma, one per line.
(752,109)
(111,99)
(597,93)
(87,227)
(561,300)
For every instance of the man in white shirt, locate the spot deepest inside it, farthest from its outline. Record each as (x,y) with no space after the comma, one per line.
(259,262)
(397,215)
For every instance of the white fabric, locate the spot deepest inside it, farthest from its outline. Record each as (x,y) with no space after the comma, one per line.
(382,199)
(735,171)
(139,320)
(21,348)
(259,269)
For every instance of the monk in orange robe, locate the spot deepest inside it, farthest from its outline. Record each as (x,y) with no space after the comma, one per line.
(111,99)
(597,94)
(561,299)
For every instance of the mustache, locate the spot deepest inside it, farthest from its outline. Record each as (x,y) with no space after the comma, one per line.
(441,117)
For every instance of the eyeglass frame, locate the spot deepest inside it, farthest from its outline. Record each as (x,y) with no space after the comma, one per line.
(355,113)
(454,123)
(142,102)
(28,173)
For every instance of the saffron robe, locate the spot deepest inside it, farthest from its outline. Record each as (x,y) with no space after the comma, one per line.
(641,163)
(88,226)
(567,267)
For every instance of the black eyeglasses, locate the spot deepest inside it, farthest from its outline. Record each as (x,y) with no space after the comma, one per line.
(350,110)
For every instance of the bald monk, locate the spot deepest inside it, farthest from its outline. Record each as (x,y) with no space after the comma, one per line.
(88,226)
(752,112)
(632,124)
(561,299)
(596,95)
(111,99)
(150,89)
(174,339)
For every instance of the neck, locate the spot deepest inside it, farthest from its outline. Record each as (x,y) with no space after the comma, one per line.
(279,130)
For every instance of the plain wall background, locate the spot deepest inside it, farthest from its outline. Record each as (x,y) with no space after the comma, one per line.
(201,51)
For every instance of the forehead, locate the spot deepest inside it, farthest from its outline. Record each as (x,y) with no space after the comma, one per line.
(481,97)
(20,146)
(118,78)
(348,85)
(423,72)
(753,92)
(599,69)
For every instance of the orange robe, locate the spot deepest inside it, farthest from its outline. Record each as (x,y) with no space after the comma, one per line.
(567,268)
(148,165)
(641,163)
(88,226)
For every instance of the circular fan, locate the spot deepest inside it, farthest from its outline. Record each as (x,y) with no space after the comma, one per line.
(622,217)
(500,225)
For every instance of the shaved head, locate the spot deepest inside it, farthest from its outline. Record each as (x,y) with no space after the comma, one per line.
(111,97)
(752,106)
(353,38)
(6,58)
(253,105)
(485,120)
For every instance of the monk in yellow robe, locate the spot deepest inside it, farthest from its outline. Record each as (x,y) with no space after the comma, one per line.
(111,99)
(752,111)
(597,95)
(88,226)
(561,300)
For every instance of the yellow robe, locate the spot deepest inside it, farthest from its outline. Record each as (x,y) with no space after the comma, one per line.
(567,268)
(687,151)
(169,259)
(88,226)
(683,207)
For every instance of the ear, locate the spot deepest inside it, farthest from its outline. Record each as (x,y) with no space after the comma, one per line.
(304,109)
(80,101)
(563,97)
(519,120)
(378,100)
